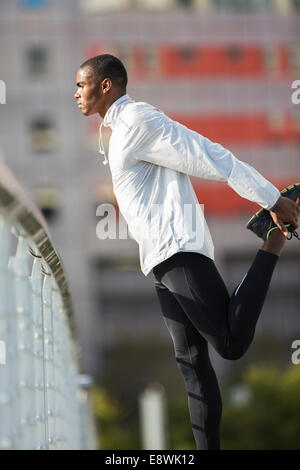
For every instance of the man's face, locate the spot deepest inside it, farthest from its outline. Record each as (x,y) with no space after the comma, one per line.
(89,95)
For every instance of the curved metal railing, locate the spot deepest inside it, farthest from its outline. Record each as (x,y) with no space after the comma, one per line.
(41,406)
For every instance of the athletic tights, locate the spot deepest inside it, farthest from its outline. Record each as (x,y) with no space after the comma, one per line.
(198,310)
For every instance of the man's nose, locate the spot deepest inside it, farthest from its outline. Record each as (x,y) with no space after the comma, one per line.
(76,94)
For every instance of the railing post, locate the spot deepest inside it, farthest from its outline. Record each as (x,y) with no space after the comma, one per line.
(49,358)
(87,426)
(38,350)
(57,315)
(19,264)
(7,385)
(153,417)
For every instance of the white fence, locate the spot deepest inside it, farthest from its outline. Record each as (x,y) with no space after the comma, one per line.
(42,405)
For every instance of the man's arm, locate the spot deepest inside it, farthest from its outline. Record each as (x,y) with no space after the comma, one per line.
(161,141)
(167,143)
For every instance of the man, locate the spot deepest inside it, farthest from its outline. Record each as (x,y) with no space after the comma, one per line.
(150,159)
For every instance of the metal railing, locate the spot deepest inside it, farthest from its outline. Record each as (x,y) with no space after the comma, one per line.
(41,404)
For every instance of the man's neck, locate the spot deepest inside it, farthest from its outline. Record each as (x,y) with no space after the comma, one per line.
(110,102)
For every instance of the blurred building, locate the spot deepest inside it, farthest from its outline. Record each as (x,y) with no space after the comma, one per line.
(223,68)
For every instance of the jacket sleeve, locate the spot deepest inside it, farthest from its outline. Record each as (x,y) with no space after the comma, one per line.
(161,141)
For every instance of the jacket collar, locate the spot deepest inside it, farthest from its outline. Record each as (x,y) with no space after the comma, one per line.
(113,112)
(109,120)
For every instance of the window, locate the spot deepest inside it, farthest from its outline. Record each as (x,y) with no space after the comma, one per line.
(151,58)
(242,5)
(37,61)
(271,59)
(125,55)
(98,6)
(185,3)
(296,118)
(283,6)
(296,4)
(48,201)
(294,57)
(235,53)
(42,135)
(187,53)
(154,5)
(33,3)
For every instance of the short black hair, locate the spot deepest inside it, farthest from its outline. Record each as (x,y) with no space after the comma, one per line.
(108,66)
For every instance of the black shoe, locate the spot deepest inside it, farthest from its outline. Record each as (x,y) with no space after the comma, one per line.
(262,223)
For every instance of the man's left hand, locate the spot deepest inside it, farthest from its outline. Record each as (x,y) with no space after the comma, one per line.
(286,211)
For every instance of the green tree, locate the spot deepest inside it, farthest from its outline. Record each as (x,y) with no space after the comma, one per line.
(269,415)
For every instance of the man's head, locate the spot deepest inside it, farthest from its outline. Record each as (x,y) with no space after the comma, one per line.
(100,81)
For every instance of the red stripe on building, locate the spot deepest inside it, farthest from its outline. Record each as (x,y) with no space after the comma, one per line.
(256,128)
(220,200)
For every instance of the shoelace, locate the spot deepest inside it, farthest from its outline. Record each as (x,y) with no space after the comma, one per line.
(293,233)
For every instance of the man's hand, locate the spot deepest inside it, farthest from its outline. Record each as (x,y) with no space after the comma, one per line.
(286,211)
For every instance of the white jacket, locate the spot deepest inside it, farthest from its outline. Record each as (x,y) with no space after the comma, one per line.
(151,158)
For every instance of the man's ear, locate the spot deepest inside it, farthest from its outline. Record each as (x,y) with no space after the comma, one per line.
(106,85)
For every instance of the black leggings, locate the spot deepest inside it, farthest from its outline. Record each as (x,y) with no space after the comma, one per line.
(197,309)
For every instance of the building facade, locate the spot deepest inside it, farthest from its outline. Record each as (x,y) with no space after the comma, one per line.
(225,69)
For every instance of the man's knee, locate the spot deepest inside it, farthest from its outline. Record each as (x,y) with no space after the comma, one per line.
(232,353)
